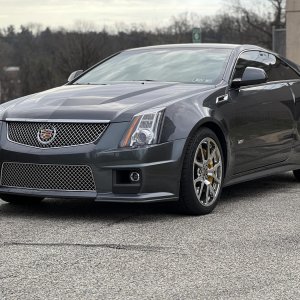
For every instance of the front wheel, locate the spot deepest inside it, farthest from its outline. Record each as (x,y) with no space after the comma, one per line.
(20,200)
(202,173)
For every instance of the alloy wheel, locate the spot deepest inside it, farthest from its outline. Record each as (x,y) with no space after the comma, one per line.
(207,171)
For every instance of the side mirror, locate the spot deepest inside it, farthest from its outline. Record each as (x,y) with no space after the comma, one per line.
(251,76)
(74,75)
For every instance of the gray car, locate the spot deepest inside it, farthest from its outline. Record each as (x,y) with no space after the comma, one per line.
(164,123)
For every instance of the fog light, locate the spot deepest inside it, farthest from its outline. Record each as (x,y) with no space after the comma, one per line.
(134,176)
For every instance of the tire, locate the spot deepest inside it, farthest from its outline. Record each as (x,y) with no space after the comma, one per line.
(202,175)
(297,174)
(20,200)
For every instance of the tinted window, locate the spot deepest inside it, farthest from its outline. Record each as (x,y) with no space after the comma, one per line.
(275,68)
(197,65)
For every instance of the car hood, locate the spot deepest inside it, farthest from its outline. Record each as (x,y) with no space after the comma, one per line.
(116,102)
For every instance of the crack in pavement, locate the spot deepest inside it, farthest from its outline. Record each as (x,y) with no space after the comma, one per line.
(142,248)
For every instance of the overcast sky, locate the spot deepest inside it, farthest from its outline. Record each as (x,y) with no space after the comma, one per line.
(65,13)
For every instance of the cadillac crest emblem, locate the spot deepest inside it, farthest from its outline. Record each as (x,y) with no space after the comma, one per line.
(46,135)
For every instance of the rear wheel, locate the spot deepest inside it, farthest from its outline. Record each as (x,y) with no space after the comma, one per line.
(202,174)
(20,200)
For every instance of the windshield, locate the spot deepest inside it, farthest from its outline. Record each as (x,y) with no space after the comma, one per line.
(193,65)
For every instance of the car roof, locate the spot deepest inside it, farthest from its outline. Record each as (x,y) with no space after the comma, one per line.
(234,47)
(200,45)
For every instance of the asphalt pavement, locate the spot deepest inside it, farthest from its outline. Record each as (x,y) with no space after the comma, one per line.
(248,248)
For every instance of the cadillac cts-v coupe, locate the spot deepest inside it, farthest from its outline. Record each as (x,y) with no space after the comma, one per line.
(162,123)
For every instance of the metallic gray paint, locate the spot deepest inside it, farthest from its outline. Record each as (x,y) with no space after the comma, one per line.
(260,126)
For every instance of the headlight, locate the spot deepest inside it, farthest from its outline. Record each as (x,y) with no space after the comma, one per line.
(143,129)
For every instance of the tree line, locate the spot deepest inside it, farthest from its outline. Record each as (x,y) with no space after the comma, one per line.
(46,56)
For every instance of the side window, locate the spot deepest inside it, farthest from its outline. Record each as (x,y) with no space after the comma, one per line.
(276,69)
(281,71)
(246,59)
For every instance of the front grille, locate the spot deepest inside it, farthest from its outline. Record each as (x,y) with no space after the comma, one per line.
(66,134)
(47,177)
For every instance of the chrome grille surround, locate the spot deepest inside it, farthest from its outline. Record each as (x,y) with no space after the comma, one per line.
(67,133)
(47,176)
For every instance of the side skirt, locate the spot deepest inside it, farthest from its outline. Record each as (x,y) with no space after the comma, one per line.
(260,173)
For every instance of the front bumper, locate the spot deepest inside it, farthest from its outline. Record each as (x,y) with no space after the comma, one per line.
(159,166)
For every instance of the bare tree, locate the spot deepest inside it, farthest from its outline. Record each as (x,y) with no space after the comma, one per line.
(260,17)
(46,57)
(279,15)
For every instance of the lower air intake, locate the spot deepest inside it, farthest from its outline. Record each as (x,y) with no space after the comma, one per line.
(47,177)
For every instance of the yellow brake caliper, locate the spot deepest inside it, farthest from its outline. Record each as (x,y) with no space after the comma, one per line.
(210,165)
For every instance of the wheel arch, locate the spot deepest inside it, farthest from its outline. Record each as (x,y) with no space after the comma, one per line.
(219,132)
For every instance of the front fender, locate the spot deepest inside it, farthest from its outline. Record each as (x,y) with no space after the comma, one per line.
(184,116)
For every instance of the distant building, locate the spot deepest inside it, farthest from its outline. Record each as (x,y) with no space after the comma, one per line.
(293,32)
(10,83)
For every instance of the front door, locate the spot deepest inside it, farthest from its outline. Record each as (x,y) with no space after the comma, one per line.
(260,118)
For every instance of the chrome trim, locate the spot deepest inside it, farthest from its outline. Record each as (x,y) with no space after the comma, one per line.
(49,190)
(293,93)
(40,148)
(46,148)
(54,120)
(222,98)
(50,140)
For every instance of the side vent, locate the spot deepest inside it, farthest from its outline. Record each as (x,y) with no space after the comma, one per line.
(222,98)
